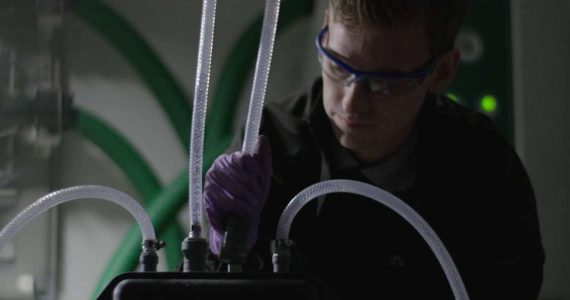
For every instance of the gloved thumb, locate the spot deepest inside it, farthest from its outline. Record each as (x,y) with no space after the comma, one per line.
(262,152)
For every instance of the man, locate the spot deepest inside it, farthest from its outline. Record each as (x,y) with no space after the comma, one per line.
(378,116)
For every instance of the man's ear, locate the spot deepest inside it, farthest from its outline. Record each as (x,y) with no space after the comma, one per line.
(444,72)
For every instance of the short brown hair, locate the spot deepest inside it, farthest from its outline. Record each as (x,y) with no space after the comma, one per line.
(441,19)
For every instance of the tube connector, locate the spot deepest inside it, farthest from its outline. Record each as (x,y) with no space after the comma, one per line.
(149,257)
(195,250)
(233,251)
(281,258)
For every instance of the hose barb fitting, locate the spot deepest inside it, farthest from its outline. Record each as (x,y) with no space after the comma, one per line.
(281,258)
(234,251)
(195,250)
(149,258)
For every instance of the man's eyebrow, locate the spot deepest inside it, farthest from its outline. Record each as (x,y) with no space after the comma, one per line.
(336,54)
(344,60)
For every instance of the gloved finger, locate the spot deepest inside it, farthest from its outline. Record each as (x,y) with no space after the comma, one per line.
(215,241)
(216,195)
(233,192)
(238,166)
(255,165)
(252,166)
(236,198)
(261,156)
(263,160)
(231,183)
(215,215)
(259,183)
(218,181)
(241,173)
(223,207)
(215,218)
(230,164)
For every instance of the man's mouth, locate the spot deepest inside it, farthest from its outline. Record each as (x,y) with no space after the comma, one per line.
(354,123)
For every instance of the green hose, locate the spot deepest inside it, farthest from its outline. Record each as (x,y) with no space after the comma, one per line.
(163,85)
(120,151)
(153,72)
(164,205)
(135,168)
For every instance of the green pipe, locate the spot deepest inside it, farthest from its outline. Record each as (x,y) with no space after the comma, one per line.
(135,168)
(163,207)
(239,64)
(120,151)
(153,72)
(163,85)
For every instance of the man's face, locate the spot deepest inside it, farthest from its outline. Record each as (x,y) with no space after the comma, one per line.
(373,127)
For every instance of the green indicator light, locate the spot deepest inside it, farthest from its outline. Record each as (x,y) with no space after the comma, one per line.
(488,103)
(452,97)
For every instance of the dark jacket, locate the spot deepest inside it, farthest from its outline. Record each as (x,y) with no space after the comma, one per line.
(470,187)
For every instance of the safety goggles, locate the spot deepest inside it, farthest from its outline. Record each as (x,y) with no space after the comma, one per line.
(379,84)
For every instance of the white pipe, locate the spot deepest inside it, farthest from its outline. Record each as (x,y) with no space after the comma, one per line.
(233,248)
(73,193)
(199,115)
(261,75)
(389,200)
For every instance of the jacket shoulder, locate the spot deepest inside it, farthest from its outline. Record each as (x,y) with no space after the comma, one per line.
(459,137)
(286,120)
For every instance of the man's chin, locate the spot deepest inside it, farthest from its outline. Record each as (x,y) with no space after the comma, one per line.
(352,143)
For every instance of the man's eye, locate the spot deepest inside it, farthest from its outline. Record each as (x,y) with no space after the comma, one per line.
(378,86)
(402,86)
(336,70)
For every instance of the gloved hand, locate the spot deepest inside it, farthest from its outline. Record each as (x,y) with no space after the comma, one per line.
(237,183)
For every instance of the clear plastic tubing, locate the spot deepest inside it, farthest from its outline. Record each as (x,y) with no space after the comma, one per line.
(389,200)
(73,193)
(261,75)
(199,115)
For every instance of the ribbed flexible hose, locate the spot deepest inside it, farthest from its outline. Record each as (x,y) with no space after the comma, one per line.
(139,173)
(262,66)
(221,111)
(74,193)
(199,115)
(387,199)
(233,250)
(164,206)
(162,209)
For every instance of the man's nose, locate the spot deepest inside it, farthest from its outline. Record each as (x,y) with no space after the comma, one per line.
(353,102)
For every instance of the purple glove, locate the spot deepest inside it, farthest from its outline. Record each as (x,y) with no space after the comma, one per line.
(237,183)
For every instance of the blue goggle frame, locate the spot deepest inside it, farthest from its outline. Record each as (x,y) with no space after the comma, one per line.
(421,73)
